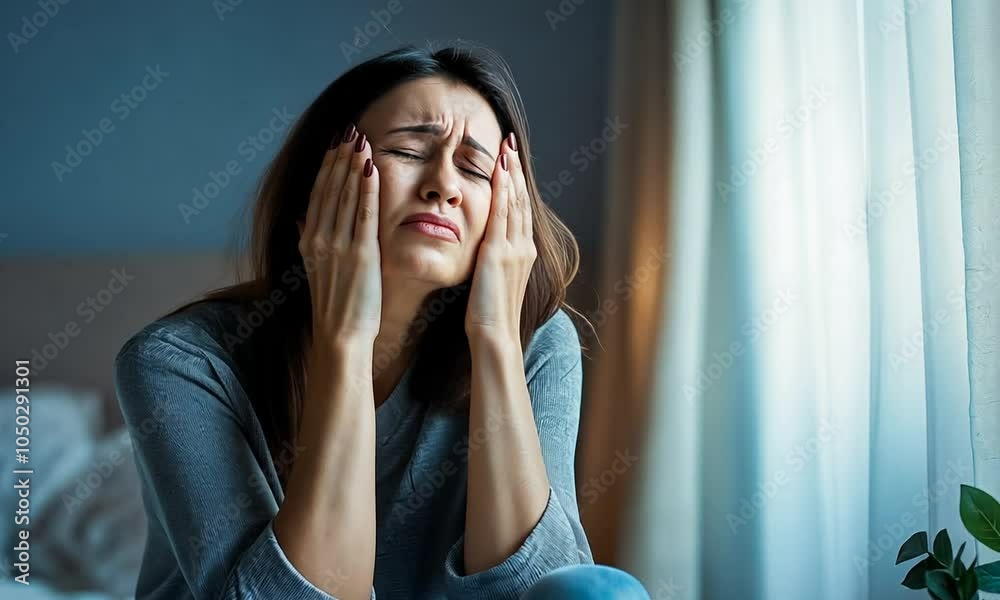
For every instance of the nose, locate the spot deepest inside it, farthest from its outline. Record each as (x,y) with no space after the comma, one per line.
(441,182)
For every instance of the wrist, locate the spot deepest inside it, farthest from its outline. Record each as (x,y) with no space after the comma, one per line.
(341,350)
(347,361)
(494,341)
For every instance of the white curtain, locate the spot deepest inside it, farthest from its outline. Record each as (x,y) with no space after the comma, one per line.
(830,360)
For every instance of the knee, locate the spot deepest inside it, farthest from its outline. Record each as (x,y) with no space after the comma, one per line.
(587,582)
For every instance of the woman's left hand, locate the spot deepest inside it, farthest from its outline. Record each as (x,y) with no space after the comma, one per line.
(506,253)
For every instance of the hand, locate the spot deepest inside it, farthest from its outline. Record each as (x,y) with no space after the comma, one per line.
(506,253)
(339,244)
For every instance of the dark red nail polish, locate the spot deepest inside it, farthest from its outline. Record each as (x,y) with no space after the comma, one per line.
(358,147)
(503,162)
(368,167)
(349,133)
(512,141)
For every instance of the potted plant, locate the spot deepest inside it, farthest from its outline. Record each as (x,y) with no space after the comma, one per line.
(944,575)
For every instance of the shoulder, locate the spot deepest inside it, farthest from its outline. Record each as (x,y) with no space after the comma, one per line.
(178,366)
(558,332)
(196,334)
(555,346)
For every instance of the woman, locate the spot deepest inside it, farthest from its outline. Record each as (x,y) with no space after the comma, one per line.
(390,404)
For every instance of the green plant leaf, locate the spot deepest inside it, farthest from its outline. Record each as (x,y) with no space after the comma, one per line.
(916,579)
(942,584)
(958,567)
(968,584)
(915,546)
(988,576)
(942,548)
(980,514)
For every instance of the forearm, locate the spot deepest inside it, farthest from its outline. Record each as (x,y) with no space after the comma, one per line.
(507,483)
(326,524)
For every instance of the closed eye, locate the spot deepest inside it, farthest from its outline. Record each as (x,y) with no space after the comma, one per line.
(410,156)
(404,154)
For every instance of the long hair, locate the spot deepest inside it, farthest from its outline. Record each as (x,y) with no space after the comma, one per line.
(442,367)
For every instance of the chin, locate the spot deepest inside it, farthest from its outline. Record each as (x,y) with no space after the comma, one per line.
(427,263)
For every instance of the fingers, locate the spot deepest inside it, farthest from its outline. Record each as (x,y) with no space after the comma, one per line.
(343,230)
(496,225)
(316,194)
(519,220)
(366,227)
(335,182)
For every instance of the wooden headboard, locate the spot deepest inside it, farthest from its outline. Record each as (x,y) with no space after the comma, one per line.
(79,311)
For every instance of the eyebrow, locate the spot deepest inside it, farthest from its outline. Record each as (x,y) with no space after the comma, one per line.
(438,130)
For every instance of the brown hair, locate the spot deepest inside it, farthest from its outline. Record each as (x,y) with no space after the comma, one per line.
(282,195)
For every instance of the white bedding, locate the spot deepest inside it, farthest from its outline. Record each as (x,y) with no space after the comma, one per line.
(11,590)
(88,525)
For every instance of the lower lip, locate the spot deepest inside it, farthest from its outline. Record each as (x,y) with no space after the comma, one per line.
(432,230)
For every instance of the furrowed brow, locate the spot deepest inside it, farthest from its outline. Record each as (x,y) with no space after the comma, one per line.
(430,128)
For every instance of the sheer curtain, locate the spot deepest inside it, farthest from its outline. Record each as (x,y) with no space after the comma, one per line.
(827,371)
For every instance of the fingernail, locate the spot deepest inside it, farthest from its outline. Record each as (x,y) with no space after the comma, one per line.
(349,133)
(368,167)
(358,147)
(512,141)
(503,162)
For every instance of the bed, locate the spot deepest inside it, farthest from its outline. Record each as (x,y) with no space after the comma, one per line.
(88,524)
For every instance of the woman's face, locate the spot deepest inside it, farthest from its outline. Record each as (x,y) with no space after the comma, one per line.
(435,143)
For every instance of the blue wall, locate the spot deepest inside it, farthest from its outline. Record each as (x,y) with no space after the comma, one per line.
(221,79)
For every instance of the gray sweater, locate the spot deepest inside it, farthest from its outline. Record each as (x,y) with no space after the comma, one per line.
(211,490)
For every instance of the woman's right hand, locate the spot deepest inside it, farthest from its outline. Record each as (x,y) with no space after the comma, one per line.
(336,467)
(339,244)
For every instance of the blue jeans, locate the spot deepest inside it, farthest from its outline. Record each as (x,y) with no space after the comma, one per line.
(587,582)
